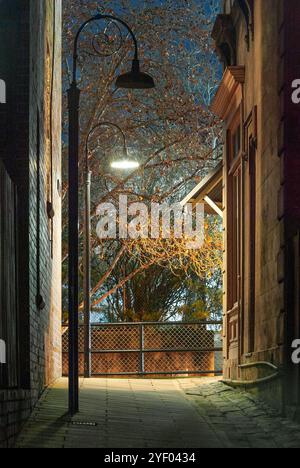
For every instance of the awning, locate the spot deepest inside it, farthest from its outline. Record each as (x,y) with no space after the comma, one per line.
(209,192)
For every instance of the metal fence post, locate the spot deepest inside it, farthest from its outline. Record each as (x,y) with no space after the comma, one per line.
(142,344)
(87,279)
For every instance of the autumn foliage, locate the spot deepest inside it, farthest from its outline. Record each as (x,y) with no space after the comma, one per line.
(169,130)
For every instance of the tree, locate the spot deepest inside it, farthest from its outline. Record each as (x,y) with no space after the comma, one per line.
(170,130)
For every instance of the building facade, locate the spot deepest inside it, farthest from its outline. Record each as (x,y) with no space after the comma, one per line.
(30,206)
(258,42)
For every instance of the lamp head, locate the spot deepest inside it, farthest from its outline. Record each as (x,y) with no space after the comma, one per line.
(135,79)
(125,163)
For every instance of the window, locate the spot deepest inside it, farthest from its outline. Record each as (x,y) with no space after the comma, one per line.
(250,228)
(9,372)
(235,237)
(235,146)
(252,243)
(236,143)
(234,232)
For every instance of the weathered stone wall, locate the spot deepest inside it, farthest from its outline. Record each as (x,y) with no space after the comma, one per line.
(260,95)
(261,90)
(269,73)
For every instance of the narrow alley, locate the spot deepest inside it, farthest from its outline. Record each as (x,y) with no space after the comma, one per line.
(181,413)
(150,225)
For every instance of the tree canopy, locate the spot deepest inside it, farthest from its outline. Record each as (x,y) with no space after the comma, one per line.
(172,133)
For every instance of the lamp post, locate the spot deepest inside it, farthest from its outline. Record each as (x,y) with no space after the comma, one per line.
(135,79)
(123,163)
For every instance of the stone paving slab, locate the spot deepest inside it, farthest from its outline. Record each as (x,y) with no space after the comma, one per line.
(179,413)
(241,420)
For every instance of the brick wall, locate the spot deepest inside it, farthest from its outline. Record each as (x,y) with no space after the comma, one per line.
(289,141)
(15,408)
(31,151)
(44,183)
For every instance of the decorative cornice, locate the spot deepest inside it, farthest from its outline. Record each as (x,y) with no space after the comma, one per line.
(222,24)
(232,80)
(247,9)
(224,36)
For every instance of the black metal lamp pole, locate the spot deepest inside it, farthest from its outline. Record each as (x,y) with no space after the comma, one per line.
(87,244)
(135,79)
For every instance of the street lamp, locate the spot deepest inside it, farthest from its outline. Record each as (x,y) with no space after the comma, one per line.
(123,163)
(135,79)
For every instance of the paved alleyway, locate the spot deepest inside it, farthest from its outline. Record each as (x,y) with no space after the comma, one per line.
(183,413)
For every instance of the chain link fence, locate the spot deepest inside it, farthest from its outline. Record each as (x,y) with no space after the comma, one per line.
(172,348)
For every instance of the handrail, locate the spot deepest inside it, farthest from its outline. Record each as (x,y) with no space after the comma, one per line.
(249,383)
(259,364)
(120,324)
(156,350)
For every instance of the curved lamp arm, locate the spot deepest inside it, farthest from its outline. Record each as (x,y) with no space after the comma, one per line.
(99,125)
(132,80)
(97,18)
